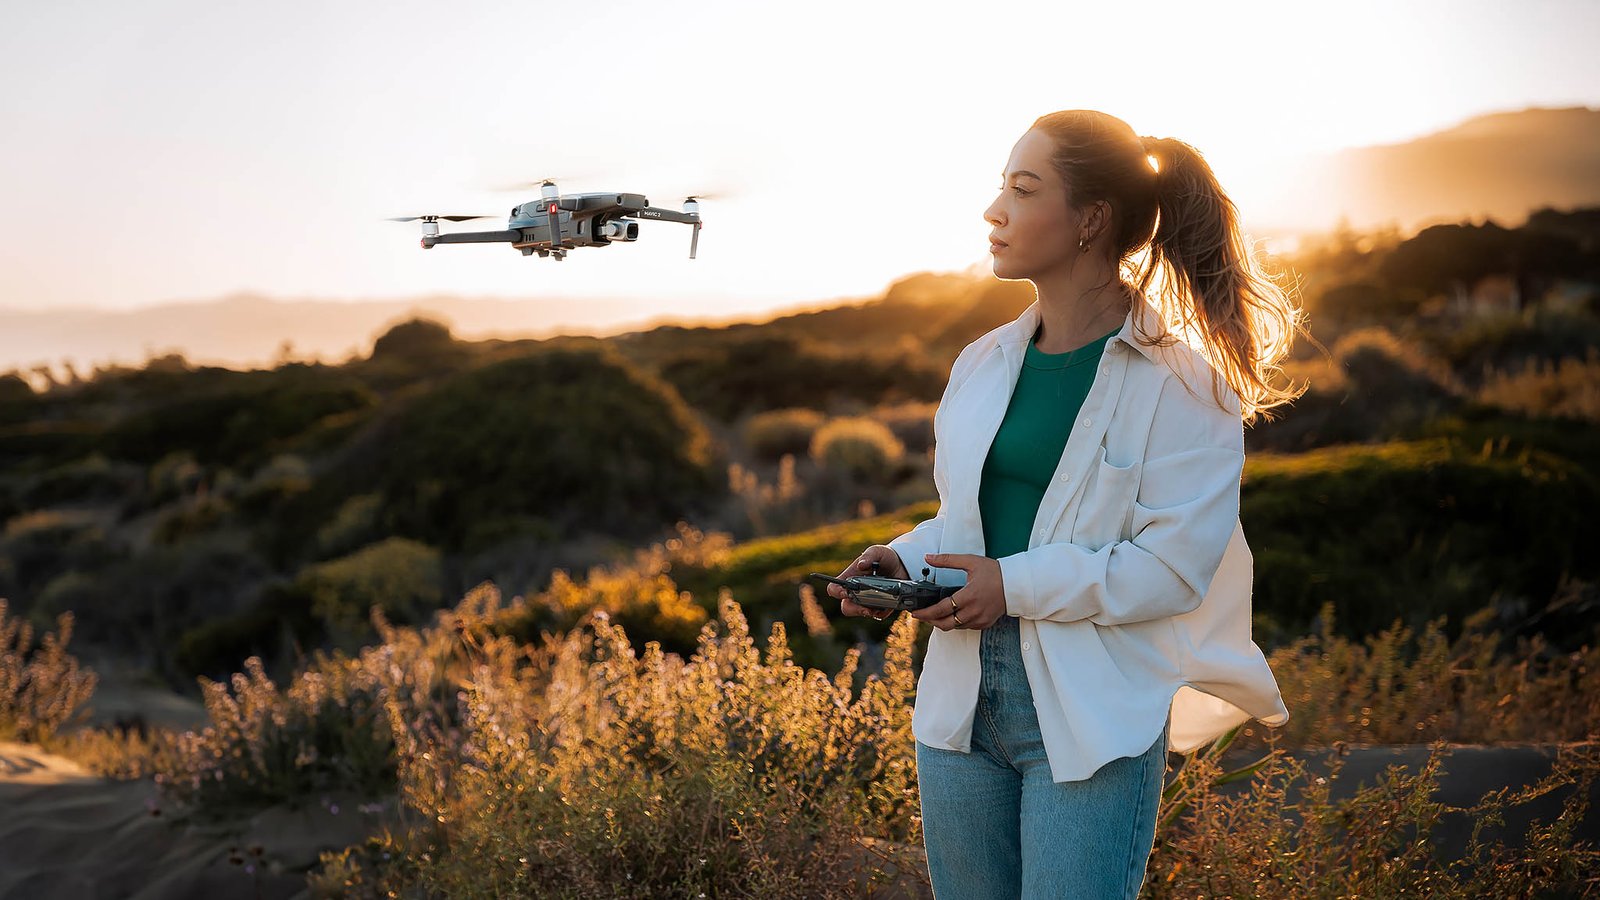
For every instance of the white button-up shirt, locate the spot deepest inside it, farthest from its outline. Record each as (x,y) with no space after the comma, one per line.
(1133,596)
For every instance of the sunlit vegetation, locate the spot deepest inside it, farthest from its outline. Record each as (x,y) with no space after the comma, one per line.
(588,765)
(695,716)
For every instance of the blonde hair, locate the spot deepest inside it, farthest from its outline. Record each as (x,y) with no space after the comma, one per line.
(1199,272)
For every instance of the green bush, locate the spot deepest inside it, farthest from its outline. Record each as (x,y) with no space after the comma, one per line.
(143,604)
(911,423)
(93,479)
(577,437)
(857,447)
(235,418)
(37,546)
(771,434)
(419,338)
(18,402)
(285,476)
(398,575)
(38,444)
(1416,529)
(779,371)
(354,525)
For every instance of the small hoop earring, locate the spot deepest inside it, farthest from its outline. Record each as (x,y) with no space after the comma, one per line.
(1083,245)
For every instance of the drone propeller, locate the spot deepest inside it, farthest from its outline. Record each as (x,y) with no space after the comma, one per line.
(541,182)
(430,224)
(436,218)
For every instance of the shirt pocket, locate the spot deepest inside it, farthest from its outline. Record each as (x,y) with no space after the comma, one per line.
(1104,512)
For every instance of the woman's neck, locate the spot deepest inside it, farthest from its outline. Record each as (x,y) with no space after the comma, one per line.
(1070,325)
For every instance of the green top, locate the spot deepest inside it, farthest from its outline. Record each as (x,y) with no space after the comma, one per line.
(1050,390)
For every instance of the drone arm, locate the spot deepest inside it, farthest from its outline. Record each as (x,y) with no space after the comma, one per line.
(474,237)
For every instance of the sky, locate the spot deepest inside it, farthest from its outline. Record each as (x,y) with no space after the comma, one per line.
(180,150)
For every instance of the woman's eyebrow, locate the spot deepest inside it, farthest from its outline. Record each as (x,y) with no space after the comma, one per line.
(1021,172)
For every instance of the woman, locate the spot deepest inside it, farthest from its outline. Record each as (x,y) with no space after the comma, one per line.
(1089,497)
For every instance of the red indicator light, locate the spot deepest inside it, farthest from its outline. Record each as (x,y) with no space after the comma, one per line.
(424,244)
(552,209)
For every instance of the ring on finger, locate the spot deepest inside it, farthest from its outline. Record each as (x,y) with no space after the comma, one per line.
(959,623)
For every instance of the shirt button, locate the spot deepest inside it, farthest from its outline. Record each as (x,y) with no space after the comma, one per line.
(1105,370)
(1065,477)
(1025,645)
(1086,421)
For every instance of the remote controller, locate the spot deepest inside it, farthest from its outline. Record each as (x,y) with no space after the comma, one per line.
(881,592)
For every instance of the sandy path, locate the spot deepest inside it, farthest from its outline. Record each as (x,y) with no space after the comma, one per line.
(66,833)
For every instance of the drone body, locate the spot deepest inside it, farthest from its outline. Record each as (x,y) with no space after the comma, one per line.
(554,224)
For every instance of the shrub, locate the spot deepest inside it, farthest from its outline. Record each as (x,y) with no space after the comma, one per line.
(418,338)
(190,518)
(911,423)
(858,447)
(285,475)
(771,434)
(1373,843)
(1391,386)
(325,732)
(1503,343)
(1418,528)
(779,371)
(91,479)
(638,593)
(332,728)
(580,438)
(37,546)
(353,525)
(235,418)
(18,402)
(1569,388)
(587,768)
(728,773)
(771,507)
(398,575)
(40,686)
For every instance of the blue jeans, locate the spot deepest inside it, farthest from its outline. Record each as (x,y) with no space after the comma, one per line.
(996,825)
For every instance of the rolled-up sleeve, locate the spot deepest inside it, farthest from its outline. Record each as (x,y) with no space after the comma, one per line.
(1184,515)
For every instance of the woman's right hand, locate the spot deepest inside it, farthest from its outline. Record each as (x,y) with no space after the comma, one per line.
(889,565)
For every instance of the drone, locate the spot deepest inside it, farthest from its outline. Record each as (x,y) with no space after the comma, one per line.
(555,224)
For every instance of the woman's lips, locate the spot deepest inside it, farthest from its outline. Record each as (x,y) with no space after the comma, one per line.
(996,247)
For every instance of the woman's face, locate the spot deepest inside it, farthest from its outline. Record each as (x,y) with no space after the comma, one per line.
(1030,217)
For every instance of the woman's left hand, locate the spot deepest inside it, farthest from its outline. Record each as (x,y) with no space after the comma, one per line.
(980,602)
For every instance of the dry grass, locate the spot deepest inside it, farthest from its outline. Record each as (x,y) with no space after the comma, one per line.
(1568,389)
(579,765)
(41,686)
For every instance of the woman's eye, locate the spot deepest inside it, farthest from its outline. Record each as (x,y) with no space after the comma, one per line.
(1021,192)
